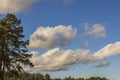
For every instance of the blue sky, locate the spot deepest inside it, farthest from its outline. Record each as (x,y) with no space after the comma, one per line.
(89,25)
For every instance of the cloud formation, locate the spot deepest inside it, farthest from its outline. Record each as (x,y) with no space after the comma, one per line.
(15,6)
(103,64)
(109,50)
(50,37)
(97,30)
(56,59)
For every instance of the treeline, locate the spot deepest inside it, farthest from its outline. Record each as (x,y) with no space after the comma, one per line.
(39,76)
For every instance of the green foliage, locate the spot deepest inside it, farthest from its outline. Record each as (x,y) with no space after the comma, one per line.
(38,76)
(47,77)
(97,78)
(80,79)
(12,47)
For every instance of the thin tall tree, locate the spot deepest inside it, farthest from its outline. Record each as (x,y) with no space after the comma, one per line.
(12,46)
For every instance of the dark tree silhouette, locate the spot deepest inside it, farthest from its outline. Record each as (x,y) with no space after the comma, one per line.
(47,77)
(12,46)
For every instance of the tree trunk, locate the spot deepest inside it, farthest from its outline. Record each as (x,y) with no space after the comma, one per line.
(1,75)
(1,71)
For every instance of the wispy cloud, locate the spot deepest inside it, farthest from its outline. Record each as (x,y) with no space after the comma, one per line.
(97,30)
(56,59)
(85,44)
(62,1)
(50,37)
(15,6)
(103,64)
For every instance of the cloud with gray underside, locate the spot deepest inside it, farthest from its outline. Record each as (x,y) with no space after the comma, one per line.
(55,59)
(15,6)
(51,37)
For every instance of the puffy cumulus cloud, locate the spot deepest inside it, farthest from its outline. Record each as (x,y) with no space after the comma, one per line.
(103,64)
(56,59)
(50,37)
(97,30)
(15,6)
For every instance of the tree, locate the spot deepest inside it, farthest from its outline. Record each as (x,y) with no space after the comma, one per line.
(97,78)
(104,78)
(12,46)
(92,78)
(47,77)
(81,79)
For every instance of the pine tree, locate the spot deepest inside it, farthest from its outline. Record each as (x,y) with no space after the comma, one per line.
(12,46)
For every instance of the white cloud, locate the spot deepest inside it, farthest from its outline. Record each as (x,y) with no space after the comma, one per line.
(15,6)
(97,30)
(56,59)
(103,64)
(50,37)
(109,50)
